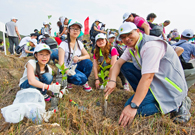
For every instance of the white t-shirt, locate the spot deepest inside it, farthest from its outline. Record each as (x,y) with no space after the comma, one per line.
(64,46)
(151,54)
(25,40)
(26,47)
(33,63)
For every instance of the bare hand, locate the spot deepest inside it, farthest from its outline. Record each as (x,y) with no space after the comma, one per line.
(127,116)
(109,88)
(19,38)
(76,59)
(97,84)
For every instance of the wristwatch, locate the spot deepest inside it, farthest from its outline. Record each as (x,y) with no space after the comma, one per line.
(133,105)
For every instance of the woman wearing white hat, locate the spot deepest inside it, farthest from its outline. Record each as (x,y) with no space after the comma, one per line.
(80,59)
(105,55)
(38,74)
(140,22)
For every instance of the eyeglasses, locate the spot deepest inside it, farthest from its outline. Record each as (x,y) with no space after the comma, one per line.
(42,55)
(75,29)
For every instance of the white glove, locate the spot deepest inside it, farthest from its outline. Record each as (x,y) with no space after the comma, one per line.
(54,88)
(72,70)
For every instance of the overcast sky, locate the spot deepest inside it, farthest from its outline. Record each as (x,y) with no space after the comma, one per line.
(32,13)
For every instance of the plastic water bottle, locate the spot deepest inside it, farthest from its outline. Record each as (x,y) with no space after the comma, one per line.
(35,116)
(54,101)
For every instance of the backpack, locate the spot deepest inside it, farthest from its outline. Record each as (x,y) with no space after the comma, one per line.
(51,43)
(19,49)
(184,64)
(155,31)
(120,50)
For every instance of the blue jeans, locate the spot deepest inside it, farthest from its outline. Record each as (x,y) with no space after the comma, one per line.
(83,70)
(47,78)
(149,105)
(54,54)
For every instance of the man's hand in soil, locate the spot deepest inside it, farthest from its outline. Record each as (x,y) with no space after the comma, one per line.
(127,116)
(109,88)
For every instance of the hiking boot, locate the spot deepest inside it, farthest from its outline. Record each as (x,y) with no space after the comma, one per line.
(183,114)
(86,87)
(126,87)
(69,86)
(47,97)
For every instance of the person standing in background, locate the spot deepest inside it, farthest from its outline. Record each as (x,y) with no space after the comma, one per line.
(13,33)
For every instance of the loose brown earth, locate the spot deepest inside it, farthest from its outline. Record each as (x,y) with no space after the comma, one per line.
(73,121)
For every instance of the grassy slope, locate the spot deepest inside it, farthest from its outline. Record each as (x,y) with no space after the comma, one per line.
(91,122)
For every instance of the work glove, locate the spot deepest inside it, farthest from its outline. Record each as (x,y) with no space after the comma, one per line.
(72,72)
(55,88)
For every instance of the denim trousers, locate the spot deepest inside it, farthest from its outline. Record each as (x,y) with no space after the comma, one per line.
(46,78)
(149,105)
(83,70)
(12,41)
(54,54)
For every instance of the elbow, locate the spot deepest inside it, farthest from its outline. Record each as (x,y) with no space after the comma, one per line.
(30,81)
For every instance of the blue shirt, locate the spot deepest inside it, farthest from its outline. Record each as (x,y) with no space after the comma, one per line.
(189,49)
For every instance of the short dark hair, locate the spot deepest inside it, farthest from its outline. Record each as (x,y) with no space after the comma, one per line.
(84,41)
(35,30)
(185,37)
(1,41)
(167,21)
(151,15)
(59,23)
(33,34)
(134,14)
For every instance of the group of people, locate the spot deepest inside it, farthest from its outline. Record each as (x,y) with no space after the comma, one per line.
(159,73)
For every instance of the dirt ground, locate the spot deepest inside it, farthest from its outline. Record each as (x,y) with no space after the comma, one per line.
(92,121)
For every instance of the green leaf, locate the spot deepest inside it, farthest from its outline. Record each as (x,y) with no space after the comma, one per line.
(106,73)
(63,72)
(104,84)
(64,77)
(101,67)
(63,67)
(99,75)
(102,75)
(57,65)
(107,67)
(66,69)
(49,16)
(49,23)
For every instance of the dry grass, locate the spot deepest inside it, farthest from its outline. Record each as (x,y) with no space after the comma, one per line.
(74,121)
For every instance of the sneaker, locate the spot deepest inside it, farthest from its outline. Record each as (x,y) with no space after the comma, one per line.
(47,97)
(183,115)
(69,86)
(126,87)
(86,87)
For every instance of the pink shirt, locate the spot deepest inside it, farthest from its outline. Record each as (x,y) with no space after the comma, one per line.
(138,21)
(113,52)
(151,54)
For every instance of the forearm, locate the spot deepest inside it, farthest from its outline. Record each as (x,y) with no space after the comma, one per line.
(142,88)
(37,83)
(95,72)
(18,33)
(84,57)
(114,71)
(27,51)
(147,30)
